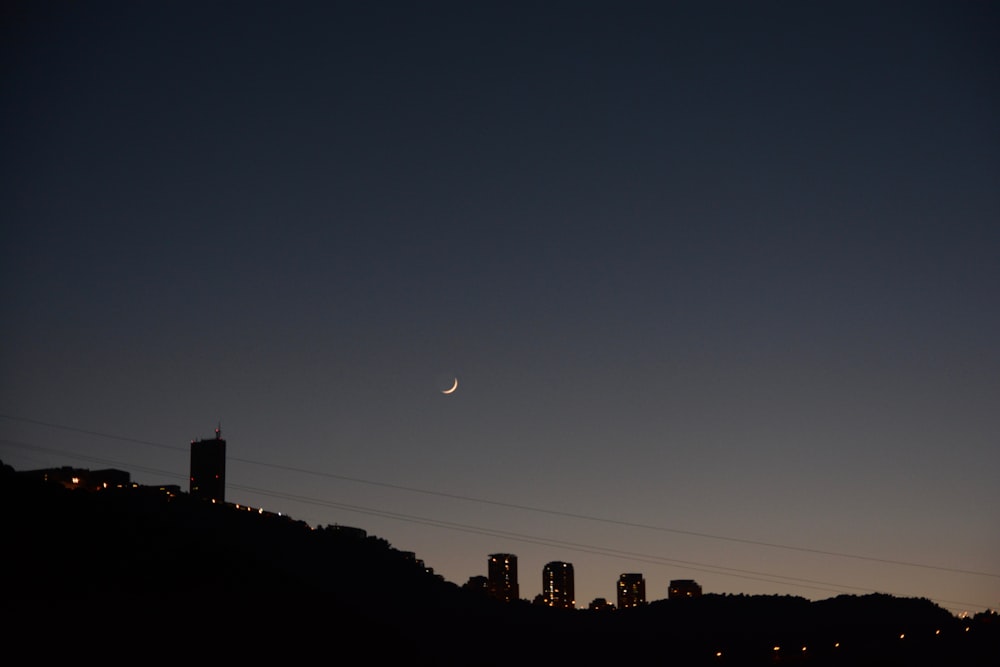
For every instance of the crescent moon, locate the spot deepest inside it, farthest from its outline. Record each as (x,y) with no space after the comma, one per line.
(453,388)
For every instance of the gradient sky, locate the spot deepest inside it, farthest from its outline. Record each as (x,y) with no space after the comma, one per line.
(720,281)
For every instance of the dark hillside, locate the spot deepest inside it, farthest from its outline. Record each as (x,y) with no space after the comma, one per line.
(163,579)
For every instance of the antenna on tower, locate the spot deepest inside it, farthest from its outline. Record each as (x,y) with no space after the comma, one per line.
(218,431)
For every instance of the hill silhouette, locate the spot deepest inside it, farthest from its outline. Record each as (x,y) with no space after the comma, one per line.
(141,574)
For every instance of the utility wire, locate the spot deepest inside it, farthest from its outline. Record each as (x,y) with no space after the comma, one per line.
(722,570)
(585,548)
(528,508)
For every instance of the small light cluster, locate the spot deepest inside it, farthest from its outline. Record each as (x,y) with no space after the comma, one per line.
(248,508)
(777,649)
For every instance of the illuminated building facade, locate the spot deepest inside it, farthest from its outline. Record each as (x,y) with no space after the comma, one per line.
(208,468)
(631,590)
(81,478)
(502,576)
(683,588)
(558,585)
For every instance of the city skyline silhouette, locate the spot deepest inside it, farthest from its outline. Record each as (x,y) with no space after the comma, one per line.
(101,556)
(208,464)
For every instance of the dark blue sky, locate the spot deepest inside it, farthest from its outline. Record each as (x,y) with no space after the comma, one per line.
(699,266)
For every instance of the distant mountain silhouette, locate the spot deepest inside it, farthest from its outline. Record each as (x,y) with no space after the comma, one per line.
(135,574)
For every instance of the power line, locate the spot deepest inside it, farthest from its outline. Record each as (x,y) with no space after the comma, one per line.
(574,546)
(94,433)
(722,570)
(528,508)
(738,573)
(88,457)
(618,522)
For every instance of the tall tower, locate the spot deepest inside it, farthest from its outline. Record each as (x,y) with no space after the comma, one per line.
(558,586)
(631,590)
(503,577)
(208,468)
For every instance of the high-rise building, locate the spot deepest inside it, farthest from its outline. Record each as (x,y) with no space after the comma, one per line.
(502,575)
(683,588)
(558,586)
(208,468)
(631,590)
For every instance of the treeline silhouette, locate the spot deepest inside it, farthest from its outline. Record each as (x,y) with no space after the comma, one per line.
(138,574)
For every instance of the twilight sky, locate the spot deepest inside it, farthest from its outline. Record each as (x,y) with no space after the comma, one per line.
(720,281)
